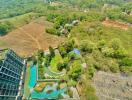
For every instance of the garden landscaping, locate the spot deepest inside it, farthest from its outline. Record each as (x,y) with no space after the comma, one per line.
(52,73)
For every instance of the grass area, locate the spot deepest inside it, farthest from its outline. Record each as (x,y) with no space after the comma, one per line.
(2,43)
(20,20)
(86,90)
(26,88)
(53,64)
(92,34)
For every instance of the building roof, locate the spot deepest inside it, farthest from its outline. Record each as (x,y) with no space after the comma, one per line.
(3,53)
(76,51)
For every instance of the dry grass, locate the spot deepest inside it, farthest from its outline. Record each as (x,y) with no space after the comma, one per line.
(30,37)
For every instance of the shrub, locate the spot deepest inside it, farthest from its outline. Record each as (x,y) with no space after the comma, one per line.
(62,50)
(126,62)
(5,28)
(47,60)
(34,60)
(72,56)
(87,46)
(40,53)
(52,52)
(101,44)
(126,69)
(51,31)
(120,53)
(107,51)
(114,66)
(72,83)
(91,71)
(70,93)
(75,70)
(60,66)
(115,44)
(69,45)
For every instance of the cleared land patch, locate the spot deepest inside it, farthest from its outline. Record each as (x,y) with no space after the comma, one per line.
(116,24)
(30,37)
(112,86)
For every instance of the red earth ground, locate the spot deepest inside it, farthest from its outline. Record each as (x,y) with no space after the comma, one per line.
(116,24)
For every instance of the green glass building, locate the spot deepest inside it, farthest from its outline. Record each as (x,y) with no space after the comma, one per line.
(11,75)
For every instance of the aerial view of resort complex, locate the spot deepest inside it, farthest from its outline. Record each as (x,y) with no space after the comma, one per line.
(65,49)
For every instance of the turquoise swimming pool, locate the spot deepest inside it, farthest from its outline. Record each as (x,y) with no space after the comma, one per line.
(41,95)
(33,76)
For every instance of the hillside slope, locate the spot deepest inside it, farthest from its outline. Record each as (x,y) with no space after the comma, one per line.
(23,39)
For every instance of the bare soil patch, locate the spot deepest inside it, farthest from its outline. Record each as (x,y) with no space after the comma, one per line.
(116,24)
(112,86)
(30,37)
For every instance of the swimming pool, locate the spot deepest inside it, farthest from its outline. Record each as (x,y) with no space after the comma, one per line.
(41,95)
(33,75)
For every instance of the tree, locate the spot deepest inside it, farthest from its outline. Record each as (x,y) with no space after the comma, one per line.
(51,31)
(91,71)
(113,66)
(72,56)
(60,66)
(101,44)
(75,70)
(62,50)
(5,27)
(87,46)
(40,53)
(69,45)
(115,43)
(120,53)
(126,62)
(34,60)
(52,52)
(47,60)
(72,83)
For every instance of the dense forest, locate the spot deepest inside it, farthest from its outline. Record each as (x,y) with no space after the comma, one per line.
(103,48)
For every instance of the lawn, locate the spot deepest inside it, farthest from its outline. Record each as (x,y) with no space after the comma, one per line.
(53,64)
(26,88)
(20,20)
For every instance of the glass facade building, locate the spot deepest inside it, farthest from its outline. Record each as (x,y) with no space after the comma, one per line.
(11,75)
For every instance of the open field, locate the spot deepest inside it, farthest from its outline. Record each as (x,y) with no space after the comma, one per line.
(30,37)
